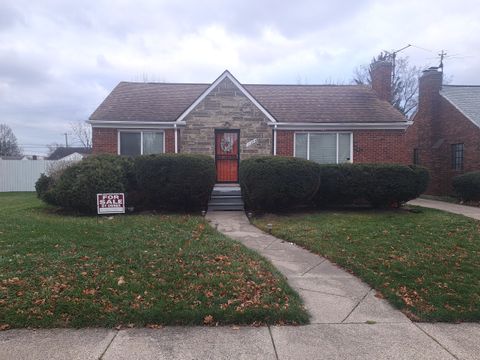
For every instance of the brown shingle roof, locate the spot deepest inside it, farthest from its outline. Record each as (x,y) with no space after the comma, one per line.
(287,103)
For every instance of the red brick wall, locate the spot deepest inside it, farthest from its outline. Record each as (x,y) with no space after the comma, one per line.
(104,140)
(433,136)
(170,141)
(285,142)
(379,146)
(369,146)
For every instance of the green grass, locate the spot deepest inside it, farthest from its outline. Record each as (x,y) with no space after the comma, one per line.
(426,262)
(66,271)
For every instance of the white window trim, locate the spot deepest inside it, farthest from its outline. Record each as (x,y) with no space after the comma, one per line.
(141,131)
(322,132)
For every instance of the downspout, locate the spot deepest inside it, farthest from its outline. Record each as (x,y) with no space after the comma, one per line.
(176,138)
(275,140)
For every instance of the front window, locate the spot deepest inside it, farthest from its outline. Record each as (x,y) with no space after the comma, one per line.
(457,156)
(324,148)
(134,143)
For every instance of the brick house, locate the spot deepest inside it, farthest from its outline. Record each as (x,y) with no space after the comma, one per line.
(231,121)
(445,135)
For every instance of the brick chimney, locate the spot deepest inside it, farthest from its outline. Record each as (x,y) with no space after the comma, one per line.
(381,73)
(429,86)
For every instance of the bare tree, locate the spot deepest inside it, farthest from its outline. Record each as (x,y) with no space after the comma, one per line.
(52,147)
(404,82)
(8,142)
(82,132)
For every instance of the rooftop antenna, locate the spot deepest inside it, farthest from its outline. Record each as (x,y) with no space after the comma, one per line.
(393,55)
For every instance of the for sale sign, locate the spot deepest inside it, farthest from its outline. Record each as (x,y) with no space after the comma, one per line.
(111,203)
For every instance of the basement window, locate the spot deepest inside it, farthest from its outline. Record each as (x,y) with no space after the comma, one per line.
(134,143)
(457,156)
(324,148)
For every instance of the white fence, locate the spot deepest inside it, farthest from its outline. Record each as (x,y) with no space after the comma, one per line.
(21,175)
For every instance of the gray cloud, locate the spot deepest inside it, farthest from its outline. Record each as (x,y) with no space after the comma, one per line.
(59,59)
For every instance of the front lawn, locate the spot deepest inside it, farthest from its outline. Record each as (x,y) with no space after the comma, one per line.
(66,271)
(426,263)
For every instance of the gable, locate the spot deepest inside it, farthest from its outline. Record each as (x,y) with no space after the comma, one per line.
(232,84)
(466,99)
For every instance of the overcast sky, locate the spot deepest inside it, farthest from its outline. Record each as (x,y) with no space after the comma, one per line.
(59,59)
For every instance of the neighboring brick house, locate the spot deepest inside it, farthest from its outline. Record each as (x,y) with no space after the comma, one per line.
(231,121)
(445,135)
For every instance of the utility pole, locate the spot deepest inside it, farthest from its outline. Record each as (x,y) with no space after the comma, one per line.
(66,139)
(442,55)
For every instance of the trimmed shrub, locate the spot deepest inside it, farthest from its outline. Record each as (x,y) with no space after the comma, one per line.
(377,184)
(467,186)
(394,184)
(275,183)
(77,186)
(43,188)
(341,184)
(175,181)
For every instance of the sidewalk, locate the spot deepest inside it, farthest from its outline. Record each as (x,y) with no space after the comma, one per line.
(468,211)
(347,322)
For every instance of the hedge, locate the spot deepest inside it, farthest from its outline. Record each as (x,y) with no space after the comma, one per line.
(76,187)
(467,186)
(156,182)
(278,183)
(175,181)
(375,184)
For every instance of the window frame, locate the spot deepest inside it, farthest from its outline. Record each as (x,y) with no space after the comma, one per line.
(135,131)
(460,165)
(337,133)
(416,156)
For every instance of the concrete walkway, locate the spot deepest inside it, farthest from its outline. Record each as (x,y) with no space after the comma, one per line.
(469,211)
(347,322)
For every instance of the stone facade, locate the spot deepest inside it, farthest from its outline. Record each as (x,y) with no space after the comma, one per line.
(226,107)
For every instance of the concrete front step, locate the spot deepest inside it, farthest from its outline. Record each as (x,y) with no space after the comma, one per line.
(225,208)
(226,197)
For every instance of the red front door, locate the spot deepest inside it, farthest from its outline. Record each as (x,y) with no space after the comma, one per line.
(226,155)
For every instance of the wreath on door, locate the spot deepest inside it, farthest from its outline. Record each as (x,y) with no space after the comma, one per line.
(226,144)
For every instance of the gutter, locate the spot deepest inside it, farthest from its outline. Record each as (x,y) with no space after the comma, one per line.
(136,124)
(343,126)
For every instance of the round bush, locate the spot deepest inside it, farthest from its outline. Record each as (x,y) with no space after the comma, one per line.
(274,183)
(175,181)
(390,184)
(78,185)
(467,186)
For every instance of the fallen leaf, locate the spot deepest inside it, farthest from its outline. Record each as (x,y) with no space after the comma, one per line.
(4,327)
(154,326)
(89,291)
(208,320)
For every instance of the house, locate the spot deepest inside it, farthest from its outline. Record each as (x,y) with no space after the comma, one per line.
(14,157)
(231,121)
(69,153)
(445,135)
